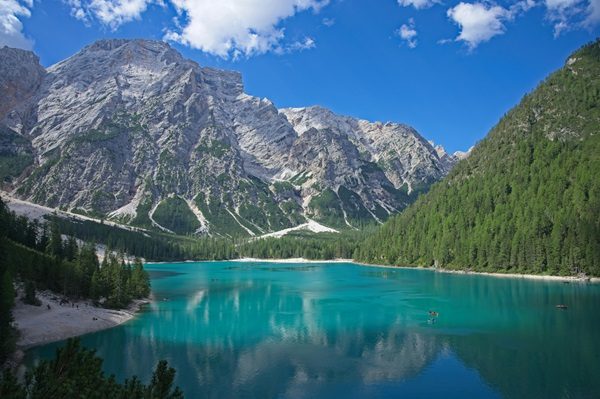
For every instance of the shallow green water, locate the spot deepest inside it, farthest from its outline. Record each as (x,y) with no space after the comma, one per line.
(263,330)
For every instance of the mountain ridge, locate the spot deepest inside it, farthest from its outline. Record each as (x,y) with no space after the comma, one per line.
(133,131)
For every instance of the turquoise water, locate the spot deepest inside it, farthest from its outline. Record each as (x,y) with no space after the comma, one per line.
(264,330)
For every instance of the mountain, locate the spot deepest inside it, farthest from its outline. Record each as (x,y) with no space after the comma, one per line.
(527,199)
(131,131)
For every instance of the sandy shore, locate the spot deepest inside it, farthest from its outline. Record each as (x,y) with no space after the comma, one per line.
(528,276)
(463,272)
(39,325)
(502,275)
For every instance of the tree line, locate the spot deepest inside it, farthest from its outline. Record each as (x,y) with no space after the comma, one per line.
(157,246)
(39,257)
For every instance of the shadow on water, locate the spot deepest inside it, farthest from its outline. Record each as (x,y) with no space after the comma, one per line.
(341,331)
(158,274)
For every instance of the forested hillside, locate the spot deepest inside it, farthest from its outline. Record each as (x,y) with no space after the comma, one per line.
(528,197)
(36,256)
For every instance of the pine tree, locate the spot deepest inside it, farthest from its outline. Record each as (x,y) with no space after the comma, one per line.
(161,385)
(76,372)
(7,298)
(55,244)
(140,280)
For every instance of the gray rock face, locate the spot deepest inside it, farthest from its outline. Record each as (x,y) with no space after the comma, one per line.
(20,77)
(129,129)
(406,158)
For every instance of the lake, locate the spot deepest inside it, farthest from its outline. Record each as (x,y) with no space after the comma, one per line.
(340,330)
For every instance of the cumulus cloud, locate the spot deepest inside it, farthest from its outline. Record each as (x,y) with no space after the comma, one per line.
(479,22)
(418,4)
(109,12)
(11,27)
(408,33)
(234,28)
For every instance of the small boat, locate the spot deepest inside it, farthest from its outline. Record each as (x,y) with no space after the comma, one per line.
(561,306)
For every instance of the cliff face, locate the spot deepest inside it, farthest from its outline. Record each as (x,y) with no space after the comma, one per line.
(129,129)
(20,77)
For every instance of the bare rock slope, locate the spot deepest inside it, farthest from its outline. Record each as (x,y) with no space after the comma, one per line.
(130,130)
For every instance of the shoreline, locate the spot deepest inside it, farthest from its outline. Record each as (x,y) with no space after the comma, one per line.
(293,260)
(543,277)
(249,260)
(575,279)
(53,321)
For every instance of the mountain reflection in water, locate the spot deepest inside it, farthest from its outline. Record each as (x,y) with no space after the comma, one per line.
(341,330)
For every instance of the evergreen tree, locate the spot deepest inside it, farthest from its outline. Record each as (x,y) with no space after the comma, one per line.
(7,297)
(527,199)
(140,280)
(30,297)
(161,385)
(55,244)
(76,372)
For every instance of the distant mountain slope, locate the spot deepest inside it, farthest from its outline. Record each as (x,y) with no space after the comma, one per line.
(528,197)
(132,131)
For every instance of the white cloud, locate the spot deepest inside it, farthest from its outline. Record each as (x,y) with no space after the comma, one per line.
(593,14)
(109,12)
(11,27)
(328,21)
(116,12)
(478,22)
(233,28)
(300,45)
(560,4)
(418,4)
(560,13)
(522,6)
(77,10)
(408,33)
(572,14)
(305,44)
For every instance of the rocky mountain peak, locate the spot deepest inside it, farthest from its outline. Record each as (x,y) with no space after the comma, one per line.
(131,130)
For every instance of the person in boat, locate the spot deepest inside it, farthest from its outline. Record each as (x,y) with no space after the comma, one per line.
(433,313)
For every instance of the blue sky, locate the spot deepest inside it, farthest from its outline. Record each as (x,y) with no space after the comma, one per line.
(451,69)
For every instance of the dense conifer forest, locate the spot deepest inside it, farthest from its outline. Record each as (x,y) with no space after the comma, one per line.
(156,246)
(526,200)
(37,256)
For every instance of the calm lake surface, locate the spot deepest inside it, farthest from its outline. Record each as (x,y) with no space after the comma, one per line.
(265,330)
